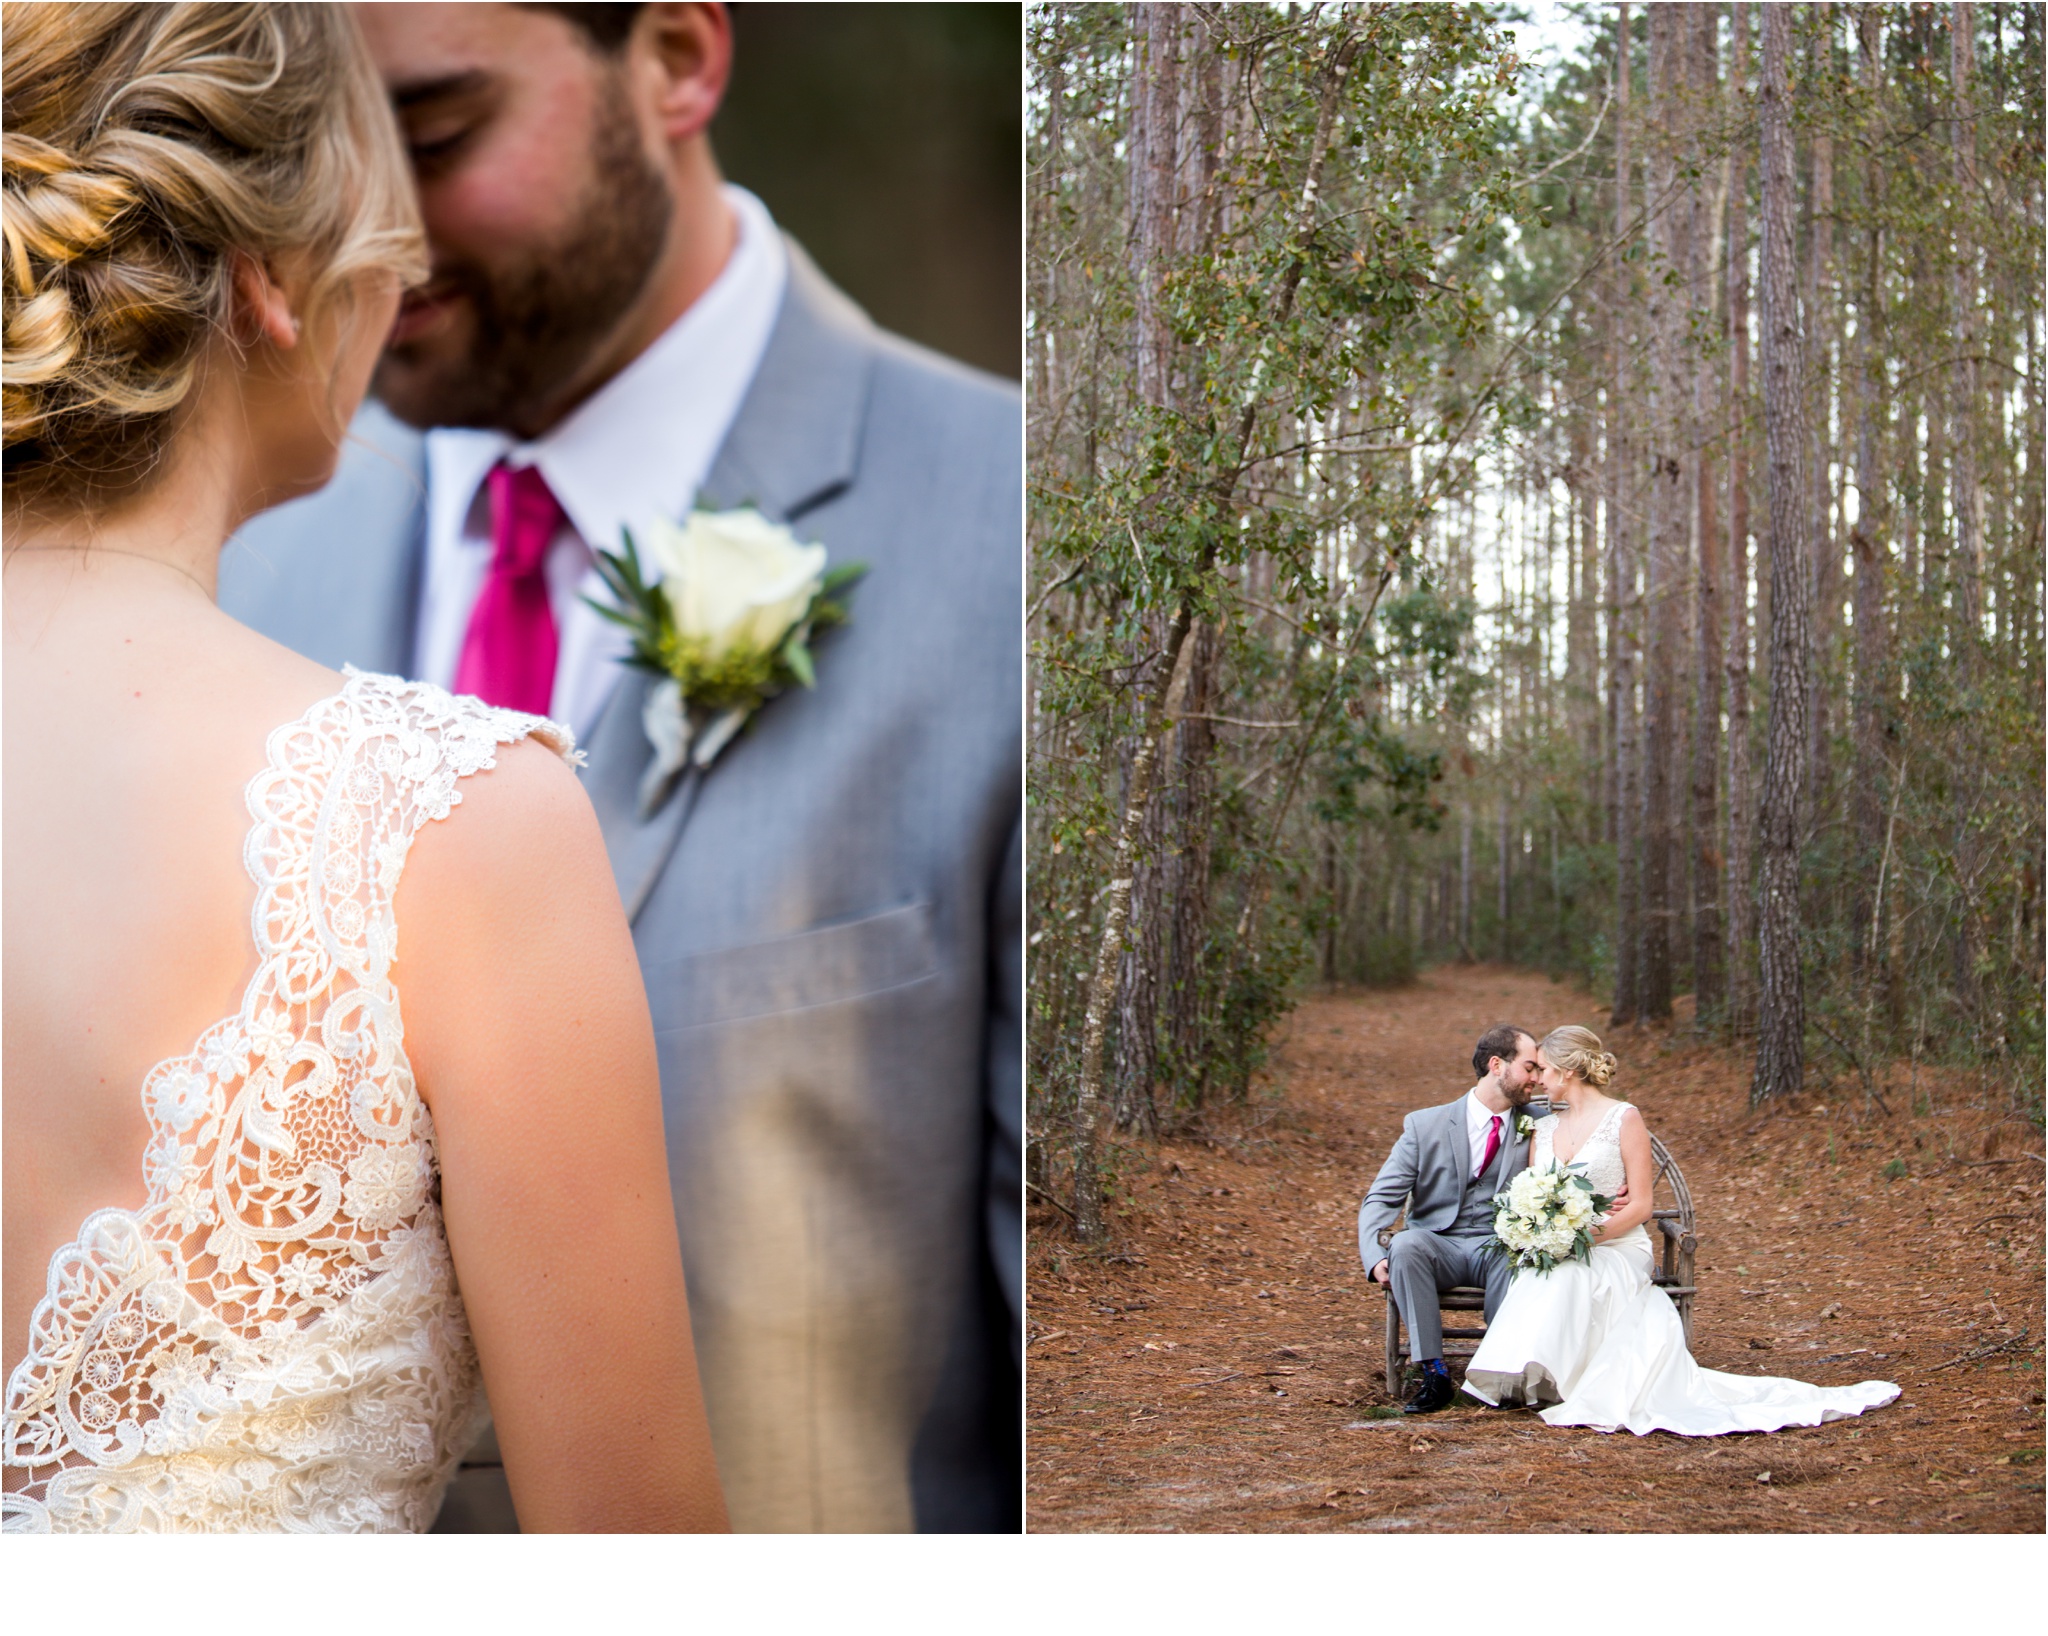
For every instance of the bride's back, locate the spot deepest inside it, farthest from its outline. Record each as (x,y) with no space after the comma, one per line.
(134,721)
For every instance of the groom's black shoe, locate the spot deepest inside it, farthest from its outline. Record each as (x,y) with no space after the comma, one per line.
(1436,1391)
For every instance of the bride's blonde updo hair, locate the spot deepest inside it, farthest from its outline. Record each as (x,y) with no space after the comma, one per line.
(144,146)
(1575,1050)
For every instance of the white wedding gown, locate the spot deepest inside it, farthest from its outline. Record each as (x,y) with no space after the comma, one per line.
(1604,1347)
(274,1341)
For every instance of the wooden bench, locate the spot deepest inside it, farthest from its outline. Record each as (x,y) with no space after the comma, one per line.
(1672,1225)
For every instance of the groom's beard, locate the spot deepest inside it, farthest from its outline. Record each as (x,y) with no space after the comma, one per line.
(533,324)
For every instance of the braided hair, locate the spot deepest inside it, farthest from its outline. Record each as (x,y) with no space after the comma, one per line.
(145,147)
(1575,1050)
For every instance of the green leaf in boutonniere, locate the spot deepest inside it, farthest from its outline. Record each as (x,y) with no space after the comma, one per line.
(726,627)
(796,655)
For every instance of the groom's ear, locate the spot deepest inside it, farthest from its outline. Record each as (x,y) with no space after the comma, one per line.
(691,47)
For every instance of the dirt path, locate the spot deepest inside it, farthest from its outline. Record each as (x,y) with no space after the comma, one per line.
(1219,1368)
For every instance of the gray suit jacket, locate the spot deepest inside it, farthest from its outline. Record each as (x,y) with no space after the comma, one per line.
(831,942)
(1426,1175)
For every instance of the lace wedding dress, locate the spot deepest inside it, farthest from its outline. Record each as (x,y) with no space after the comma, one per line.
(1605,1348)
(274,1341)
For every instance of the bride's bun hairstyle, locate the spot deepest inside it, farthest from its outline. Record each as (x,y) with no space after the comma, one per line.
(1575,1050)
(145,146)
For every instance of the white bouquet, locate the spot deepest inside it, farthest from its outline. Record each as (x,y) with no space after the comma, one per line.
(1546,1216)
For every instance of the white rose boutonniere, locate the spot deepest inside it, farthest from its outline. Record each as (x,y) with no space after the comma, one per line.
(1525,1127)
(726,627)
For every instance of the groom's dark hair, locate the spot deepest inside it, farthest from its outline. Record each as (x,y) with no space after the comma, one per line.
(1498,1041)
(606,27)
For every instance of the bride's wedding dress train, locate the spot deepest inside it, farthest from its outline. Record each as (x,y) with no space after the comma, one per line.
(1604,1347)
(274,1341)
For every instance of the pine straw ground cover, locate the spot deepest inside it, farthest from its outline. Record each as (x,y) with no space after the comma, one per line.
(1218,1367)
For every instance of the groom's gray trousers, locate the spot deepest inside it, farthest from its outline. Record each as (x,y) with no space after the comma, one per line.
(1421,1265)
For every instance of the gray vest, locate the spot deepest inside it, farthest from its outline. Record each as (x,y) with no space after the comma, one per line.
(1475,1211)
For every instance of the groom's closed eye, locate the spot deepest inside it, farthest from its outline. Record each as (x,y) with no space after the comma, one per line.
(440,115)
(428,152)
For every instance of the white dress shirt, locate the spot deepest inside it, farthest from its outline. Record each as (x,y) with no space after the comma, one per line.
(639,447)
(1477,1117)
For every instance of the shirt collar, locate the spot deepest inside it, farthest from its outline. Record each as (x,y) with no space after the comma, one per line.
(643,443)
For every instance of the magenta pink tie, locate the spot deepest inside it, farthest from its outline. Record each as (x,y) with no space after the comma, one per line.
(508,655)
(1492,1144)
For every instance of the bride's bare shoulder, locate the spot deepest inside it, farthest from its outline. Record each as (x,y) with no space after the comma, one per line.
(521,843)
(509,923)
(510,817)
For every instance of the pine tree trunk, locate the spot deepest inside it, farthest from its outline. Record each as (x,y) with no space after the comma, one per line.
(1738,894)
(1818,352)
(1154,167)
(1328,839)
(1154,189)
(1621,588)
(1706,715)
(1184,871)
(1503,889)
(1465,882)
(1968,497)
(1582,644)
(1670,488)
(1871,787)
(1187,885)
(1780,1059)
(1089,1098)
(1138,969)
(1966,493)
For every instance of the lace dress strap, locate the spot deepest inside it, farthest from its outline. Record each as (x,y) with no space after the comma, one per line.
(291,1160)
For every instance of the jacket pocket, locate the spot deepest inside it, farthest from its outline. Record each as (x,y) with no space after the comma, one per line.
(820,966)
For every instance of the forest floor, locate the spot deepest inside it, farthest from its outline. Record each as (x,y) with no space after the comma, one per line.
(1219,1366)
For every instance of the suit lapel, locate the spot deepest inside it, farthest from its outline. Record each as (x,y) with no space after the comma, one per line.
(617,754)
(796,440)
(1461,1144)
(794,444)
